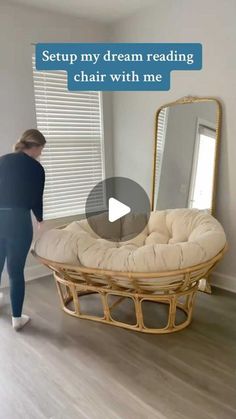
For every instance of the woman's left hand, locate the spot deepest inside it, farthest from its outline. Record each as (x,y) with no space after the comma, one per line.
(40,225)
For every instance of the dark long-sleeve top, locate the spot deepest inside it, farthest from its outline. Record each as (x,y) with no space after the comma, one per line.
(22,181)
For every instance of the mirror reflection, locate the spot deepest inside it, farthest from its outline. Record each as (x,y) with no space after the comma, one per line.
(186,144)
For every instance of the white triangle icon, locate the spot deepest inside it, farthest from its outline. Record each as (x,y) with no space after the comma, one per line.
(117,210)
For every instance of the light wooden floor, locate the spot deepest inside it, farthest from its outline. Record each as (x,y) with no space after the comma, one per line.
(61,367)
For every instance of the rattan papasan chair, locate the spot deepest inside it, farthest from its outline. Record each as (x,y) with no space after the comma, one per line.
(163,264)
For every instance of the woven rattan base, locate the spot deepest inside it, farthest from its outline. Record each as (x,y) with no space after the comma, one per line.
(73,293)
(175,289)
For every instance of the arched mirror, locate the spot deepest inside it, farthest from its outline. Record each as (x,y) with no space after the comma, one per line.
(186,149)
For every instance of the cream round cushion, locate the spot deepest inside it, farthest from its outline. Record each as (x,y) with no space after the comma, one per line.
(172,240)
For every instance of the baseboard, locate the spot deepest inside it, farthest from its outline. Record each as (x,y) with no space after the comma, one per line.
(226,282)
(36,271)
(31,272)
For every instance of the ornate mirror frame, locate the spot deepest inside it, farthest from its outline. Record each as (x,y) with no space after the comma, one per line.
(182,101)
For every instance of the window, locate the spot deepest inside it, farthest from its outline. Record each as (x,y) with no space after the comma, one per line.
(74,154)
(202,179)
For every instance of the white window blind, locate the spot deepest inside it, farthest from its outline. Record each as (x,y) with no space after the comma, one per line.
(73,157)
(161,133)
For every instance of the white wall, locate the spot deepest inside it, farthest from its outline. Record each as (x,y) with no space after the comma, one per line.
(213,24)
(19,27)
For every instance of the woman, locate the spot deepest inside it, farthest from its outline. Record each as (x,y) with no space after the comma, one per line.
(22,180)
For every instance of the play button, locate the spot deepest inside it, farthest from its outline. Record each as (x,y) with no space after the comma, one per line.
(117,209)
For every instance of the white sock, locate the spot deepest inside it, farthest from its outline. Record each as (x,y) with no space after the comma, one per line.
(19,322)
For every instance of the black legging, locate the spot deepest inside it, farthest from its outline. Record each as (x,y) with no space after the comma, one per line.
(15,239)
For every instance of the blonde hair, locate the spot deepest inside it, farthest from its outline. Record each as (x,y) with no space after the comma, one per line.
(29,139)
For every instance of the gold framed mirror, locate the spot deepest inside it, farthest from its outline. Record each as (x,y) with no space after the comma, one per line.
(186,154)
